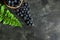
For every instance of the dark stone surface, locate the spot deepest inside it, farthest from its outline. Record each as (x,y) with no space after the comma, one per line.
(46,15)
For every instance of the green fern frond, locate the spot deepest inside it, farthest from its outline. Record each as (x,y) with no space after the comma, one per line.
(6,17)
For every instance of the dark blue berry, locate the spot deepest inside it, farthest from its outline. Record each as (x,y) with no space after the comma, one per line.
(25,14)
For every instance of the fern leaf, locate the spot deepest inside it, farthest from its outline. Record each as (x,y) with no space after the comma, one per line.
(7,18)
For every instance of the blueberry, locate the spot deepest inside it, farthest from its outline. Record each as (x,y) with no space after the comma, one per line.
(22,11)
(28,12)
(21,15)
(18,10)
(13,3)
(25,4)
(28,22)
(25,18)
(18,14)
(25,14)
(9,2)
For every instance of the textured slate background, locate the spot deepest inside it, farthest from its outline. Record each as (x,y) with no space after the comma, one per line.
(46,17)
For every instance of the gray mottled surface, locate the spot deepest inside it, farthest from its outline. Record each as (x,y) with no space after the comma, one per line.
(46,15)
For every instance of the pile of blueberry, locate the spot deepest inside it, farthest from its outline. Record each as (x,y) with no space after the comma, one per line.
(24,13)
(13,3)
